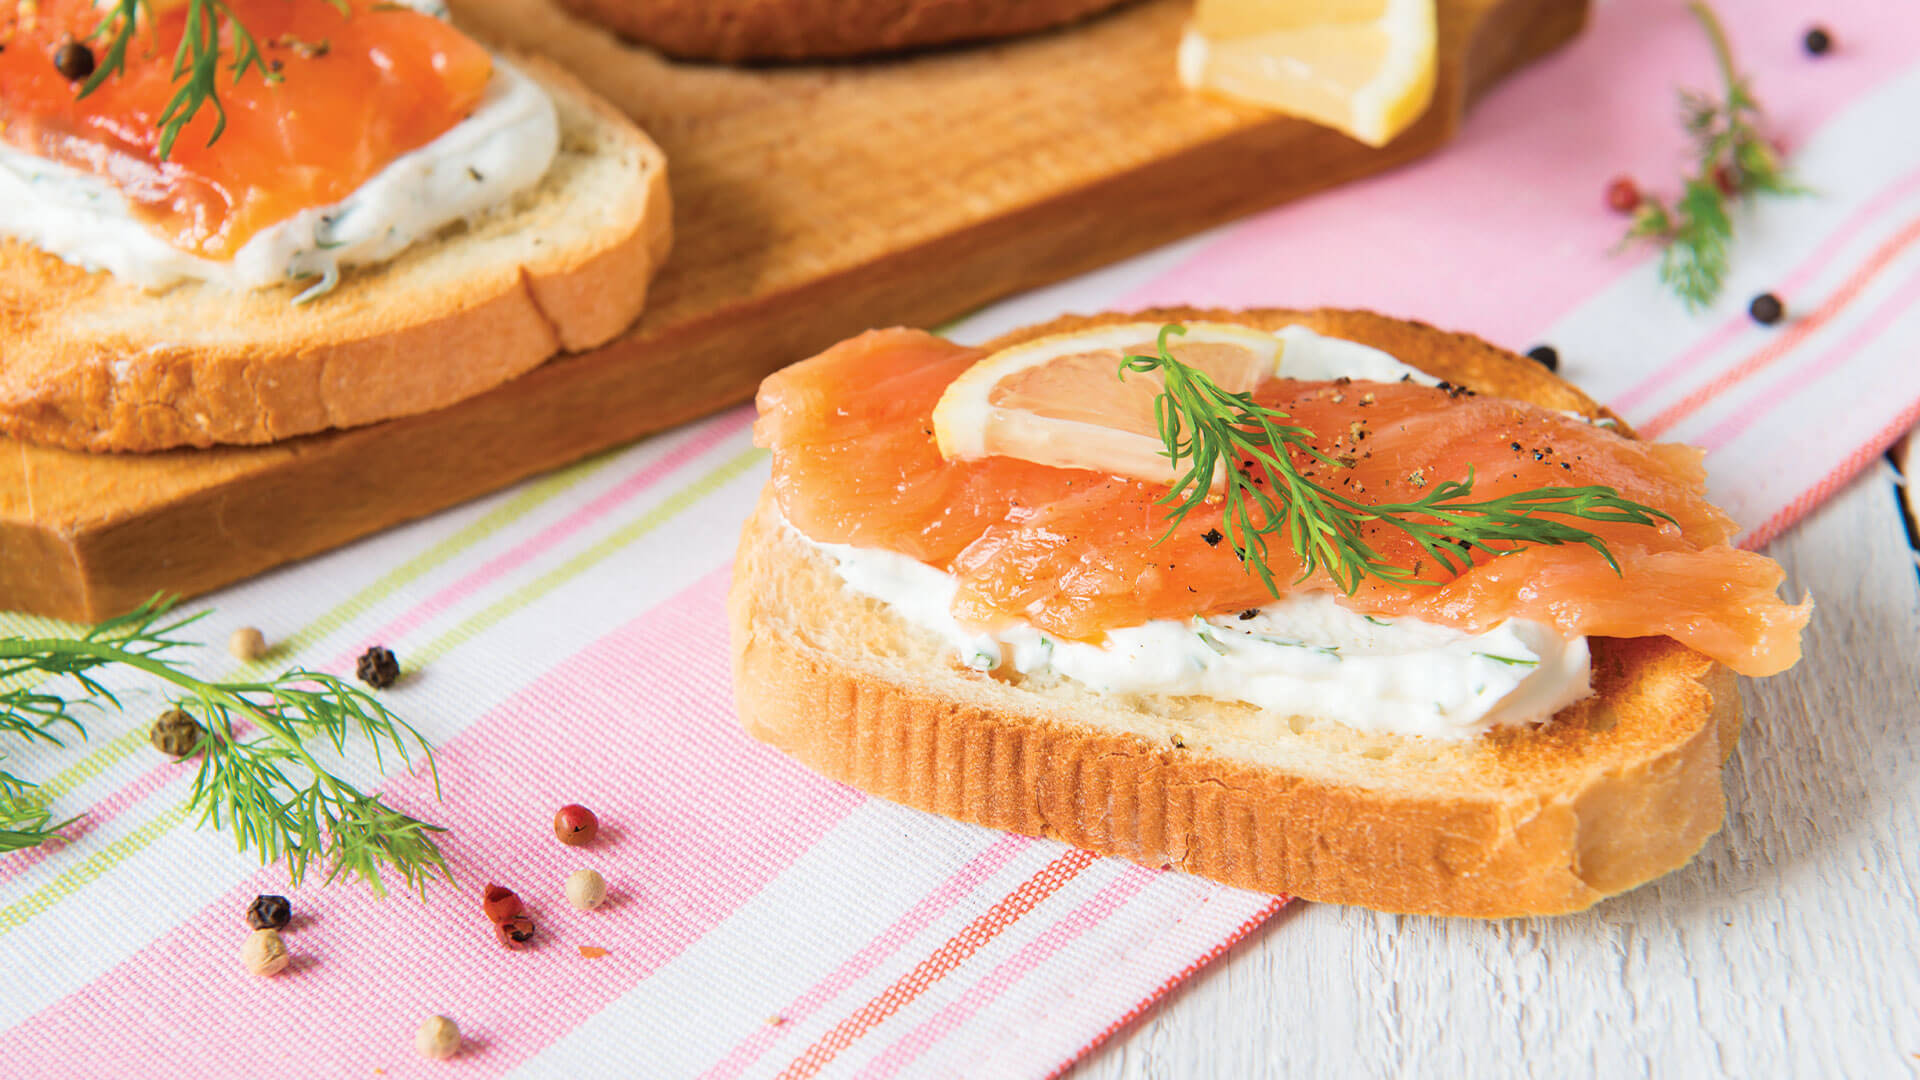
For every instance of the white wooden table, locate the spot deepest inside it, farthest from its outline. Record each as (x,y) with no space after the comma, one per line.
(1790,947)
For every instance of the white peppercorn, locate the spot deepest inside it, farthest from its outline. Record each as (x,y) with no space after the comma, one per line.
(247,643)
(264,953)
(586,889)
(438,1038)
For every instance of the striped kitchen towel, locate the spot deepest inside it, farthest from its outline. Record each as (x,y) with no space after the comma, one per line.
(565,642)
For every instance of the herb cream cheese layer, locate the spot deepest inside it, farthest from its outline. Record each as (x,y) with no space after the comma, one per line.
(504,147)
(1303,655)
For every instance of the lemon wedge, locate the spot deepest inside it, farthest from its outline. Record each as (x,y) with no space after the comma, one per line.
(1060,400)
(1365,67)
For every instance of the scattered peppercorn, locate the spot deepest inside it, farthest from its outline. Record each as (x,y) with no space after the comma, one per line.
(247,643)
(586,889)
(176,733)
(1817,41)
(1623,195)
(514,931)
(264,953)
(269,913)
(1546,356)
(1766,309)
(1249,613)
(73,61)
(575,825)
(1212,537)
(499,903)
(438,1038)
(378,668)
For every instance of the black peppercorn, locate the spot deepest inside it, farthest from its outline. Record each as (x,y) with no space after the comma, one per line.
(378,668)
(1766,309)
(269,913)
(1212,537)
(1546,356)
(73,61)
(1817,41)
(175,734)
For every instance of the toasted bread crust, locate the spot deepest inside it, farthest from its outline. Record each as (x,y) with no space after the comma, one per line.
(733,30)
(91,363)
(1612,792)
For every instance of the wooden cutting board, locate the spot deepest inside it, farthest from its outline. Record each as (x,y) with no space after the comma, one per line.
(811,202)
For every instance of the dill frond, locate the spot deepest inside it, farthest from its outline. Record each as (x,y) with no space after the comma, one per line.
(258,778)
(1245,449)
(1732,159)
(196,61)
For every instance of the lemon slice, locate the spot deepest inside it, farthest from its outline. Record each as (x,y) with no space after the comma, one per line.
(1365,67)
(1060,400)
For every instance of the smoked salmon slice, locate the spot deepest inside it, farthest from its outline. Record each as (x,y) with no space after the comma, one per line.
(355,89)
(1077,552)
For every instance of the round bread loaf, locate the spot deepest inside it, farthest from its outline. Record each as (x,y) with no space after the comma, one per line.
(734,30)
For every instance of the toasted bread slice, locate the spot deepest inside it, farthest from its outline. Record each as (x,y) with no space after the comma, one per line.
(733,30)
(96,364)
(1613,791)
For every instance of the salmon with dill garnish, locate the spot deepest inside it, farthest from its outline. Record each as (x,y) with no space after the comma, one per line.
(1077,552)
(353,87)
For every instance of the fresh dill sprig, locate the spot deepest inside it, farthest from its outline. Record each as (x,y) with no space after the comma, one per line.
(25,821)
(1732,158)
(211,33)
(276,798)
(1229,440)
(30,715)
(264,785)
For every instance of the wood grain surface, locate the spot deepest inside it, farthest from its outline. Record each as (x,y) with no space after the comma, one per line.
(811,203)
(1787,949)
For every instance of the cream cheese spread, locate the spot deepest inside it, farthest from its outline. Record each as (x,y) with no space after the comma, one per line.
(1303,654)
(1310,356)
(504,147)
